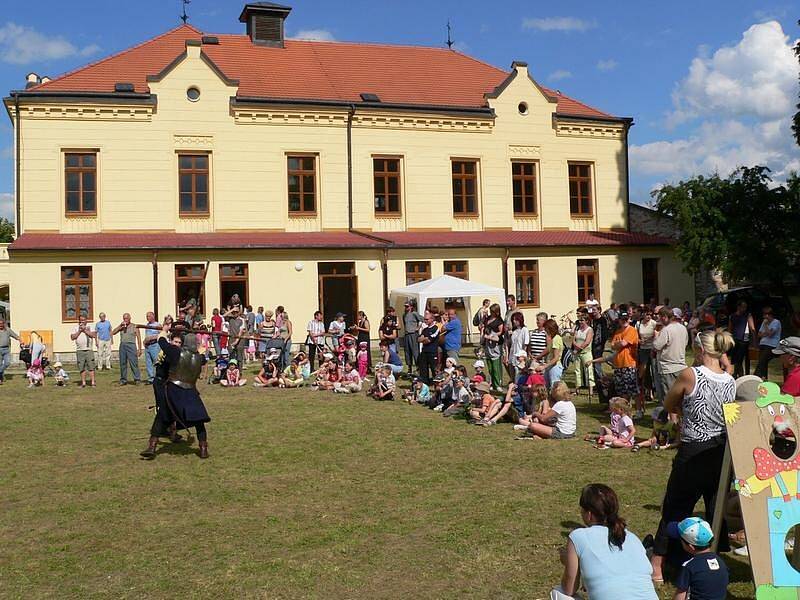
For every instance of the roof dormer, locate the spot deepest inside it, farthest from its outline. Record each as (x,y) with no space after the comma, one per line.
(265,22)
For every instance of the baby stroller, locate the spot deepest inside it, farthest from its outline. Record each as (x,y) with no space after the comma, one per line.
(346,352)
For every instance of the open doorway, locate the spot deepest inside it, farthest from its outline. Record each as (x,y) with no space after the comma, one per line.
(232,280)
(338,290)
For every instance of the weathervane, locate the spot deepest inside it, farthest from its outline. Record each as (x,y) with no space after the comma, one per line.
(184,16)
(449,40)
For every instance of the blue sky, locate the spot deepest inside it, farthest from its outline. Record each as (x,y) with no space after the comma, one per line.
(711,84)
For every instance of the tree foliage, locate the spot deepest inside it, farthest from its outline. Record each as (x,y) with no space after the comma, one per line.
(6,231)
(743,225)
(796,120)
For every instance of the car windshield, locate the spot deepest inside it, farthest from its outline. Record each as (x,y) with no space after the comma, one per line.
(712,300)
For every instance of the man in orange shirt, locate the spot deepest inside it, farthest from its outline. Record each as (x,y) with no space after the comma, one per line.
(625,344)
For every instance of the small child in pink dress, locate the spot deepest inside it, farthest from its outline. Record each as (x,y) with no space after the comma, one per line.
(363,359)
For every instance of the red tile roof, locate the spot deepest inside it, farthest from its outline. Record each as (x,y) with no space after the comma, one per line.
(327,239)
(312,70)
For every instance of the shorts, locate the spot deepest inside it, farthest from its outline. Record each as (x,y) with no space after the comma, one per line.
(85,359)
(665,382)
(559,435)
(628,441)
(625,382)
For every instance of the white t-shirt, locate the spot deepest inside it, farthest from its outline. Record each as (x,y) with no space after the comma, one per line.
(336,328)
(83,341)
(567,419)
(647,331)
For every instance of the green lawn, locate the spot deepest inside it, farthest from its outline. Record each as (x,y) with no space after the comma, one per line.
(306,495)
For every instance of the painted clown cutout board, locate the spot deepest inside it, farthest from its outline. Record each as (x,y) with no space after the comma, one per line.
(764,449)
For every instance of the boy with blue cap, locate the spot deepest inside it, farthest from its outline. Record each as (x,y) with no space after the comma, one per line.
(705,575)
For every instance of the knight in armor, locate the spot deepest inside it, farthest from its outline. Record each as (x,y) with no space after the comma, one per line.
(181,402)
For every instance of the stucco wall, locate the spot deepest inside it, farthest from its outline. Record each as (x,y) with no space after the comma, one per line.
(137,161)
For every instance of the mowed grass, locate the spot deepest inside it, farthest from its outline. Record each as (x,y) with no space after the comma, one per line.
(306,495)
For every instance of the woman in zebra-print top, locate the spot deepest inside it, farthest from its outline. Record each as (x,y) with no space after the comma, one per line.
(697,395)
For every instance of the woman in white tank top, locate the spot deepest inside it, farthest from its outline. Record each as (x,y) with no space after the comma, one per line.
(697,395)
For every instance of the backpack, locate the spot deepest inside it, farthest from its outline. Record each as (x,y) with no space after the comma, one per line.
(25,355)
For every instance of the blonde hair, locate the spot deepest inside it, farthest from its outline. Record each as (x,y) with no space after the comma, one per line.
(621,404)
(714,342)
(559,391)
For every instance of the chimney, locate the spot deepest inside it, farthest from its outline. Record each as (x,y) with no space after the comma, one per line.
(265,22)
(32,79)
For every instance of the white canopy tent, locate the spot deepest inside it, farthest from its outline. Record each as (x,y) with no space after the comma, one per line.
(447,286)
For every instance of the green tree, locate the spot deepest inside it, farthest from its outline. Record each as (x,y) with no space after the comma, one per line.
(743,225)
(6,231)
(796,120)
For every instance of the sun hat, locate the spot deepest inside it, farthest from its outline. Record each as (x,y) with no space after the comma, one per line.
(57,364)
(788,345)
(479,364)
(483,387)
(692,530)
(233,361)
(224,352)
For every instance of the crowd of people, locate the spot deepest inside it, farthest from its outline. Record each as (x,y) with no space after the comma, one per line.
(627,356)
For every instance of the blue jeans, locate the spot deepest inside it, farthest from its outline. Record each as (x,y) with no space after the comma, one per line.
(5,360)
(127,355)
(150,357)
(396,369)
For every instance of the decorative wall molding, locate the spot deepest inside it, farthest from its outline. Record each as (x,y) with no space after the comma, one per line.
(285,117)
(193,141)
(590,130)
(425,122)
(250,116)
(100,112)
(519,151)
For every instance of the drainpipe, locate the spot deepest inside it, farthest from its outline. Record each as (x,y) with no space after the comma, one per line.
(384,268)
(505,271)
(155,283)
(628,126)
(18,123)
(350,113)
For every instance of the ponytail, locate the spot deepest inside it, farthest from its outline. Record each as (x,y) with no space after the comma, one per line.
(715,342)
(602,502)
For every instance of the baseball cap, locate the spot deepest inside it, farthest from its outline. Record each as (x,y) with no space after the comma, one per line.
(692,530)
(623,314)
(479,364)
(789,345)
(57,364)
(340,314)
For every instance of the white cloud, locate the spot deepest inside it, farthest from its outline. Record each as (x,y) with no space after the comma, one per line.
(607,65)
(558,24)
(20,45)
(559,75)
(317,35)
(736,103)
(756,77)
(7,205)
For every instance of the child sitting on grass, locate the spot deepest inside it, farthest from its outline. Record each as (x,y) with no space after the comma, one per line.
(538,404)
(327,375)
(479,375)
(269,375)
(621,432)
(560,421)
(61,376)
(384,385)
(232,377)
(220,367)
(705,575)
(460,399)
(485,405)
(419,393)
(292,375)
(665,433)
(350,383)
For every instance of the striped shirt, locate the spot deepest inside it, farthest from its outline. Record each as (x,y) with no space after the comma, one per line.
(538,342)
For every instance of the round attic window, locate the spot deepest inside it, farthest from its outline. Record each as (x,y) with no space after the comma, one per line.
(193,94)
(522,107)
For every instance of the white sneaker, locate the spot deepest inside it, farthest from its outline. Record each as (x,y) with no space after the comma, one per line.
(520,428)
(741,551)
(439,408)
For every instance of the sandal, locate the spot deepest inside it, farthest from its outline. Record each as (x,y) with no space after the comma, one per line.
(636,448)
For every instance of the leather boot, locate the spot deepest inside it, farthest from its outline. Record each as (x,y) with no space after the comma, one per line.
(203,449)
(149,453)
(174,436)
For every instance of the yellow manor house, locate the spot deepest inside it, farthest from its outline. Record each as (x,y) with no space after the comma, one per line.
(315,175)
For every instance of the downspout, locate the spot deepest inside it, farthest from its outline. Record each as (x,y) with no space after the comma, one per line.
(155,283)
(18,211)
(627,180)
(385,274)
(350,113)
(505,271)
